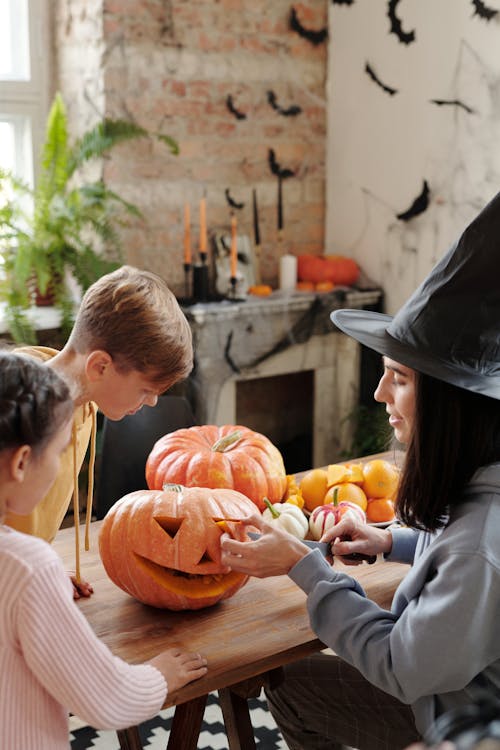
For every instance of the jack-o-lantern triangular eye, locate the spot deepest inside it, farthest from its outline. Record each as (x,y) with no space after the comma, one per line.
(206,558)
(170,525)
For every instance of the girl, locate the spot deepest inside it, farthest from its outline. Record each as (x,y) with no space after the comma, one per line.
(50,660)
(438,648)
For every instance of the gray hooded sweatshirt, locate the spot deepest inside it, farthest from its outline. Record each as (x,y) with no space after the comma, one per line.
(439,646)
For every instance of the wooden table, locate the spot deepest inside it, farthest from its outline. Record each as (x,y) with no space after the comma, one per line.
(262,627)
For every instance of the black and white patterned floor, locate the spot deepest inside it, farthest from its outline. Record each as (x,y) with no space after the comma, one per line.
(154,733)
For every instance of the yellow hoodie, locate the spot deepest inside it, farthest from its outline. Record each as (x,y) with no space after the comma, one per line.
(46,519)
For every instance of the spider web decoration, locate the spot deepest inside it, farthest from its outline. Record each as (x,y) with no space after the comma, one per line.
(291,111)
(482,10)
(234,111)
(315,37)
(406,37)
(231,201)
(418,206)
(369,70)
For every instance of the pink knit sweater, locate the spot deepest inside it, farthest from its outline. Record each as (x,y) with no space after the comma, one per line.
(51,662)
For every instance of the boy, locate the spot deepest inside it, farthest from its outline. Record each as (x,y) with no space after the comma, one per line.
(130,343)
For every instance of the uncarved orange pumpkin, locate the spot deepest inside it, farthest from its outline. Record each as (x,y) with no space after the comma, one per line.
(338,269)
(163,547)
(231,457)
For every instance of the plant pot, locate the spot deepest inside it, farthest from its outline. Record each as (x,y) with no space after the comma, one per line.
(49,298)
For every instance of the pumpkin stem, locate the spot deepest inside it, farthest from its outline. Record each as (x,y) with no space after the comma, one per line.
(335,496)
(226,442)
(275,513)
(173,487)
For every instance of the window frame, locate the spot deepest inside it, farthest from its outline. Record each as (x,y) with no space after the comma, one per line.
(30,98)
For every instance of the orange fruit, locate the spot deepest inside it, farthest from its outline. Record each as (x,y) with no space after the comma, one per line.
(380,478)
(313,486)
(380,509)
(346,491)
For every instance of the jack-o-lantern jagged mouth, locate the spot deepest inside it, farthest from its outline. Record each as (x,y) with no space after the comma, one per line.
(190,584)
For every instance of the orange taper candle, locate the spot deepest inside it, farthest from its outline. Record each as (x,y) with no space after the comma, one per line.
(187,235)
(234,250)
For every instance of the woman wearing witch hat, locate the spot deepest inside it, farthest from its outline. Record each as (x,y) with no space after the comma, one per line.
(438,648)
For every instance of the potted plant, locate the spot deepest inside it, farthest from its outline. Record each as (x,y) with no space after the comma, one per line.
(67,226)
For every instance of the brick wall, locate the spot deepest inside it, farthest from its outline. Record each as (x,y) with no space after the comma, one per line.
(170,65)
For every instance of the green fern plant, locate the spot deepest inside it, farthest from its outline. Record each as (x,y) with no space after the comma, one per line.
(65,223)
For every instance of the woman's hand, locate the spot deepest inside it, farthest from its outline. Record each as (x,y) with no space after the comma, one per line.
(273,554)
(349,536)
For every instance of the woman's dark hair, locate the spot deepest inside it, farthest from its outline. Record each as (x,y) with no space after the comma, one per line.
(34,402)
(455,431)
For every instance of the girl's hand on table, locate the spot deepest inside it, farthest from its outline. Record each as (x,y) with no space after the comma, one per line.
(350,536)
(80,588)
(273,554)
(179,668)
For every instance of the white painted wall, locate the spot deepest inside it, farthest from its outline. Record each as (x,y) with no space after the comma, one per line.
(380,148)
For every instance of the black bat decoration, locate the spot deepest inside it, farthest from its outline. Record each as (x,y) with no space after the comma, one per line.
(342,2)
(315,37)
(482,10)
(374,77)
(236,112)
(275,167)
(453,103)
(231,201)
(288,112)
(406,37)
(418,206)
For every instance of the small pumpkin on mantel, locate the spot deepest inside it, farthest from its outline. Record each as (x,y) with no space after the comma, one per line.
(338,269)
(230,456)
(163,547)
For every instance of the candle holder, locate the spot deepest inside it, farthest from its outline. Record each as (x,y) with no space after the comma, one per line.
(187,270)
(233,280)
(200,283)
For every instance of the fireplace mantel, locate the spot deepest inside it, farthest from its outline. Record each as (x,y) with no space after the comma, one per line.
(278,335)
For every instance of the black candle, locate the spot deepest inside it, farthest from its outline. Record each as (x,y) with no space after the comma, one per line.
(256,231)
(280,204)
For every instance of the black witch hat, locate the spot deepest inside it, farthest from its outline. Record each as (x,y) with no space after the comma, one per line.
(450,327)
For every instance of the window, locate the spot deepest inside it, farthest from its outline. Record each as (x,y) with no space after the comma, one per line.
(24,68)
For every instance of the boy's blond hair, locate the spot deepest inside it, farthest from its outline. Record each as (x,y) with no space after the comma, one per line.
(133,316)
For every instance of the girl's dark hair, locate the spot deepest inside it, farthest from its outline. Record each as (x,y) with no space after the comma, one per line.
(455,431)
(34,402)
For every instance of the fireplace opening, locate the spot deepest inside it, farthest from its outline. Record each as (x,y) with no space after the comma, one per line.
(281,407)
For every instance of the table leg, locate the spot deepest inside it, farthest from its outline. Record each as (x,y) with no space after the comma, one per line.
(237,721)
(129,739)
(186,724)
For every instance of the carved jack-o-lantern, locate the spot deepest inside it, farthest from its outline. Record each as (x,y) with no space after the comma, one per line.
(163,546)
(229,456)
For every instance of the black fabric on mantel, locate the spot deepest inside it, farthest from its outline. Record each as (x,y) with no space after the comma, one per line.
(315,321)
